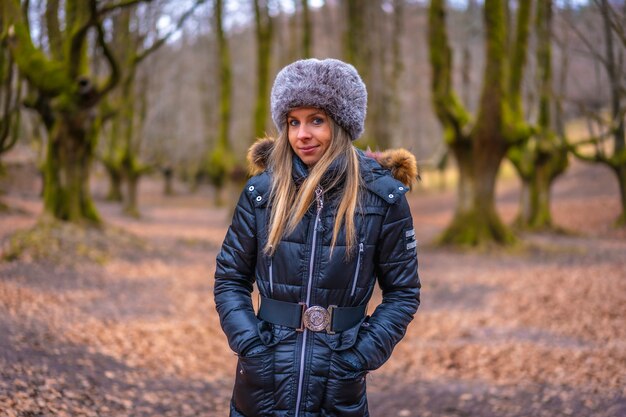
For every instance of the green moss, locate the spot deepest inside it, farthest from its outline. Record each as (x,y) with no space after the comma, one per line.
(449,109)
(473,229)
(48,76)
(220,164)
(66,176)
(68,244)
(621,220)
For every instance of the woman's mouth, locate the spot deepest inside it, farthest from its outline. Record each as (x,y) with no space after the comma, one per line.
(308,149)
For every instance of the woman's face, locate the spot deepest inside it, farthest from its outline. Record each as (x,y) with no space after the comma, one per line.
(309,133)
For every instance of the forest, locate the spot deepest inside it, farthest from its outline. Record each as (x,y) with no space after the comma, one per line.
(123,136)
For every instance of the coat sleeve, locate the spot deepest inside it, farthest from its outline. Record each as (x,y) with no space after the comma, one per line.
(234,278)
(396,269)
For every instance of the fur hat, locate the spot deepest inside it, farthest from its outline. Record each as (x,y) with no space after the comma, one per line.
(328,84)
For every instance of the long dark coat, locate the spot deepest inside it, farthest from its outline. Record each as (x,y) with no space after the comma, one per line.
(281,372)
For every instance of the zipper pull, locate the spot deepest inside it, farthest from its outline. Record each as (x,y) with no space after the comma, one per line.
(319,199)
(361,247)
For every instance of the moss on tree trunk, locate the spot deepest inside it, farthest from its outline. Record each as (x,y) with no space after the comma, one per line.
(115,185)
(264,29)
(130,202)
(66,170)
(534,211)
(475,222)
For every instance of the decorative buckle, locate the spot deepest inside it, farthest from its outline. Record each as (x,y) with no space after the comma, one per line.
(316,318)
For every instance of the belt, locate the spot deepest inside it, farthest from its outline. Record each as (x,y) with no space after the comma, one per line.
(315,318)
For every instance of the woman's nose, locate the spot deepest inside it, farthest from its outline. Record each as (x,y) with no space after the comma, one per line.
(303,132)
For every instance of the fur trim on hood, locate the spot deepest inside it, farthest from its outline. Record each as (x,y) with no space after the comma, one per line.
(400,162)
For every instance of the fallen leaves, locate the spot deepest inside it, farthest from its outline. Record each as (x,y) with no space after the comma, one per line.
(539,332)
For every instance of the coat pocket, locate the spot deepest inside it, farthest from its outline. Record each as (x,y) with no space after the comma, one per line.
(254,383)
(346,385)
(346,388)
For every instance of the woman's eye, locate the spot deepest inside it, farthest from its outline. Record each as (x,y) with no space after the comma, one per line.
(318,121)
(293,122)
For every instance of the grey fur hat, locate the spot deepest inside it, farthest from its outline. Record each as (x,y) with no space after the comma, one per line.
(331,85)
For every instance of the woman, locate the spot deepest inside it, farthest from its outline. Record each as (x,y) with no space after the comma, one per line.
(316,226)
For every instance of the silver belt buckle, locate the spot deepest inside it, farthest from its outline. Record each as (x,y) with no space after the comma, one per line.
(316,319)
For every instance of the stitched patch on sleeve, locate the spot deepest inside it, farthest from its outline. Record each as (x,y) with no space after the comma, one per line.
(409,238)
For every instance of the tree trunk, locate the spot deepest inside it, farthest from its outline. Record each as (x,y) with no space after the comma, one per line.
(466,188)
(115,184)
(465,194)
(535,202)
(264,30)
(540,217)
(67,168)
(168,178)
(130,202)
(221,160)
(620,172)
(476,221)
(306,29)
(112,161)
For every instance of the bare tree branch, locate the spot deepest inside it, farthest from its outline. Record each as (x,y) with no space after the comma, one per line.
(616,25)
(591,49)
(76,45)
(159,42)
(118,5)
(114,77)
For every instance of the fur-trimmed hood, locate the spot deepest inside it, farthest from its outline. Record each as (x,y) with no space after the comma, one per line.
(400,162)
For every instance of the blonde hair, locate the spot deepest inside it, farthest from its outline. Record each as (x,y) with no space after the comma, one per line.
(290,204)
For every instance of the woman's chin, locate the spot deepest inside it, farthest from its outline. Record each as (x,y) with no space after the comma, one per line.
(310,160)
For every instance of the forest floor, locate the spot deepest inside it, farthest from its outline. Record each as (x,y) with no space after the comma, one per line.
(130,329)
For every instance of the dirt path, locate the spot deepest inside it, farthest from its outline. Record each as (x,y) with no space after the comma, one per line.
(534,332)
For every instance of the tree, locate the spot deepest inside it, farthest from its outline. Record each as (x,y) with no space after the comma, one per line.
(10,97)
(116,106)
(612,127)
(397,66)
(65,94)
(264,29)
(478,145)
(366,45)
(129,104)
(306,29)
(542,157)
(221,161)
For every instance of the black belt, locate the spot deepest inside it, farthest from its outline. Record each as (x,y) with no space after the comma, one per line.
(315,318)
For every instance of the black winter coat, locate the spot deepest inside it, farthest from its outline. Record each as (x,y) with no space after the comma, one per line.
(281,372)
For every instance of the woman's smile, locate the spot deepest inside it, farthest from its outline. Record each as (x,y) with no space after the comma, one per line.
(308,149)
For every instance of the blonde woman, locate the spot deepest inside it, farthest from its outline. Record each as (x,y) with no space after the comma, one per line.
(317,226)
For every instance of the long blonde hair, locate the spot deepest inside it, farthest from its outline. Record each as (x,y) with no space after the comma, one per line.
(289,203)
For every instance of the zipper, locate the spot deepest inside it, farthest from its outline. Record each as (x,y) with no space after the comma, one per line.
(320,205)
(271,278)
(356,272)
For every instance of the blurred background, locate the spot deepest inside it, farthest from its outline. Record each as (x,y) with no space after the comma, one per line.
(124,130)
